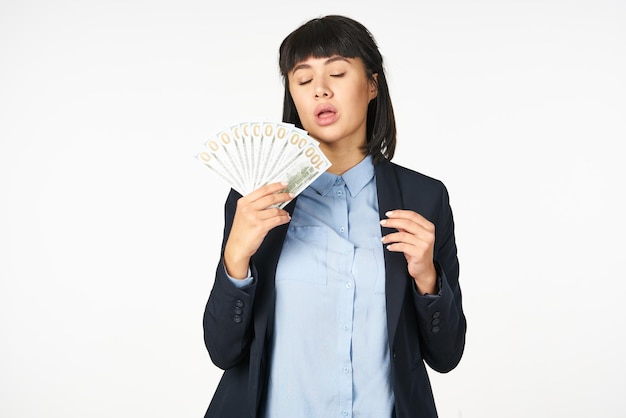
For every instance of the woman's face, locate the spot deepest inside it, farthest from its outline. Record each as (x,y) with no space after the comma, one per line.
(331,96)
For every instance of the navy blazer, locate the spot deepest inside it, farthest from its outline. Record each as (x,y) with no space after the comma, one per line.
(238,322)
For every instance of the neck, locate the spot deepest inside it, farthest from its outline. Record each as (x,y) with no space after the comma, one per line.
(343,160)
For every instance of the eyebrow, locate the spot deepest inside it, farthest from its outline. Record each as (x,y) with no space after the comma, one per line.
(328,61)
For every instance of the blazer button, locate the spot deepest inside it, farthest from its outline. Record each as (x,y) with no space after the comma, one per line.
(238,311)
(435,329)
(436,315)
(239,303)
(435,322)
(237,318)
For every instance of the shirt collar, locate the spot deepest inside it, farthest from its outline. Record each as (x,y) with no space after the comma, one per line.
(356,178)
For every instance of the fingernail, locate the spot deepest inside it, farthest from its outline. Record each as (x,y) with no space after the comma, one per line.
(389,213)
(292,195)
(284,182)
(383,221)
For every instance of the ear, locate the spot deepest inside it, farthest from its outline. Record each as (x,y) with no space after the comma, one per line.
(373,87)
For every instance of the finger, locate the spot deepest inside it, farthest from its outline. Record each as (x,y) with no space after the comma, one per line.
(277,220)
(405,225)
(274,212)
(268,189)
(401,247)
(413,253)
(268,201)
(409,215)
(258,200)
(403,237)
(411,224)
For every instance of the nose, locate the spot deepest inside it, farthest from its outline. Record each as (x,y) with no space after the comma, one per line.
(322,91)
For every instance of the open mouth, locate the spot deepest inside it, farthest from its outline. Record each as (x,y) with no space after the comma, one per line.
(325,114)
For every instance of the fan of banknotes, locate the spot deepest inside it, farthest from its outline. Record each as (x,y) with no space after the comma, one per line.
(249,155)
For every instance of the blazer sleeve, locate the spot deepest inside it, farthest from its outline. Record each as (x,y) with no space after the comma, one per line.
(441,320)
(227,318)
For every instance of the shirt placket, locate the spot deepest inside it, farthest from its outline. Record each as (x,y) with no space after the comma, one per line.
(346,288)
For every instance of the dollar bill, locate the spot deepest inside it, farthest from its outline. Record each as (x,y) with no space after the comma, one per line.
(248,155)
(303,171)
(221,164)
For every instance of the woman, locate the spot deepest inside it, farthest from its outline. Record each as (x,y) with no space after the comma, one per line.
(333,306)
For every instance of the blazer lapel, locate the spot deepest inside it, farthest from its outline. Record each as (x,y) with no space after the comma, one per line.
(265,261)
(390,198)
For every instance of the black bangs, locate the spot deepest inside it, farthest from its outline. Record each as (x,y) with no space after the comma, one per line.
(324,37)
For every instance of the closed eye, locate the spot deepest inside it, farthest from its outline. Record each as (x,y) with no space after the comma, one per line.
(338,75)
(302,83)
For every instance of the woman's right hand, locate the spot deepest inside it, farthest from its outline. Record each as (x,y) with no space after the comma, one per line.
(254,218)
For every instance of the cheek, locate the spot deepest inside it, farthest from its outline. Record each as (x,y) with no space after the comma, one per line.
(300,103)
(358,92)
(360,98)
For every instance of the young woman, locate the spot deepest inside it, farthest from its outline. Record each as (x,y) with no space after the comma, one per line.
(333,306)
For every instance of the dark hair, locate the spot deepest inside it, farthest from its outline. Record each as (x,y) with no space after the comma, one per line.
(338,35)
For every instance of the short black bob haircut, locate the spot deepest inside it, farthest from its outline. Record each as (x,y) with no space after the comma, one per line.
(339,35)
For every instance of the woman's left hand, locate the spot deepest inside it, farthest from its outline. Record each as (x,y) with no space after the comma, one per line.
(416,239)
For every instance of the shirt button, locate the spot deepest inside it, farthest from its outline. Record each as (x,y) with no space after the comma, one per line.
(345,328)
(345,414)
(342,229)
(346,370)
(339,193)
(348,285)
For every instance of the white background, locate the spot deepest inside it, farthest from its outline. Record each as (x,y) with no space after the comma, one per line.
(110,229)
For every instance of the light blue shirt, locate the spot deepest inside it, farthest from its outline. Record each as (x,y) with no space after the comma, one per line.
(330,353)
